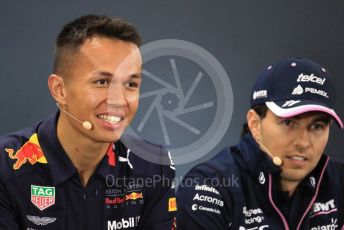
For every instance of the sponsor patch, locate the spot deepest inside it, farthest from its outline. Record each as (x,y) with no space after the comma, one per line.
(41,220)
(172,166)
(260,94)
(208,199)
(196,207)
(124,197)
(298,90)
(316,91)
(313,181)
(261,178)
(311,78)
(253,216)
(134,196)
(31,151)
(290,103)
(172,204)
(130,222)
(332,225)
(323,208)
(42,197)
(207,188)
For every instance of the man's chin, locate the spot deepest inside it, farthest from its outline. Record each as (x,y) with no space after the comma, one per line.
(293,175)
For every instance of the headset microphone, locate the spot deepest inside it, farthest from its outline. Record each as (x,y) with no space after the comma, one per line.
(276,160)
(86,124)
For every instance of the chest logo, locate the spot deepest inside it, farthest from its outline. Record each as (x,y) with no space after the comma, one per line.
(261,178)
(31,151)
(323,208)
(42,197)
(41,220)
(172,204)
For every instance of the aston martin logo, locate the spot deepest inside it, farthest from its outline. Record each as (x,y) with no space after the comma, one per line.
(41,220)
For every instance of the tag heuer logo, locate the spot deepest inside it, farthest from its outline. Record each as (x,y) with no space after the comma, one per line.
(42,197)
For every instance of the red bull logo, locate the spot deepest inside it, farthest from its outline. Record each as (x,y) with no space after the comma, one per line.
(31,151)
(133,196)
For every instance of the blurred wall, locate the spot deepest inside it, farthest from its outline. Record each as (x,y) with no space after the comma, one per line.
(243,36)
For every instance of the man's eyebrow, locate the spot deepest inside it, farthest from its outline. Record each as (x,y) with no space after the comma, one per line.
(103,73)
(111,75)
(136,76)
(319,118)
(323,118)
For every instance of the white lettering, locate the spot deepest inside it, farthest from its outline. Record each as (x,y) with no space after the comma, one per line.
(332,226)
(195,207)
(124,223)
(207,188)
(251,212)
(317,207)
(252,220)
(260,94)
(316,91)
(311,78)
(208,199)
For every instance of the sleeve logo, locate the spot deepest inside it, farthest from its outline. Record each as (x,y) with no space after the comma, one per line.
(172,204)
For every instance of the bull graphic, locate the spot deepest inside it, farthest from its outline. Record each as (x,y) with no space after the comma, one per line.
(31,151)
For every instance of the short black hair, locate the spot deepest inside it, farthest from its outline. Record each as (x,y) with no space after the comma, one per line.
(261,110)
(76,32)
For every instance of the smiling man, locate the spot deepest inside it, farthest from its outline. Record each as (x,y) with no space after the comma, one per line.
(278,176)
(75,170)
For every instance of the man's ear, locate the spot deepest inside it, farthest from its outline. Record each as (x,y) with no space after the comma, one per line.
(254,124)
(57,89)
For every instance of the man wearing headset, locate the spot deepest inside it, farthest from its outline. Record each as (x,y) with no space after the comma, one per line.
(281,179)
(72,170)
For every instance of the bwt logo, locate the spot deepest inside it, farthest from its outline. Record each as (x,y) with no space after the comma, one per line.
(324,208)
(129,223)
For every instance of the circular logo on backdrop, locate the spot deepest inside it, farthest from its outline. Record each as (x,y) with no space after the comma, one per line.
(186,100)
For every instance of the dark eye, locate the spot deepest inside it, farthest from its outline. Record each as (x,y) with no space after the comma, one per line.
(287,122)
(102,82)
(133,84)
(317,126)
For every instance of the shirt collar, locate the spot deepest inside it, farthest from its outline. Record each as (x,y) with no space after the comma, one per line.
(254,159)
(60,165)
(313,179)
(108,165)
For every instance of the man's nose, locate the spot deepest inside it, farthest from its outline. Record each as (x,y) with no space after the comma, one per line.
(116,95)
(302,139)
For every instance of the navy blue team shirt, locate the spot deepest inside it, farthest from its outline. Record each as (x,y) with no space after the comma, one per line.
(41,189)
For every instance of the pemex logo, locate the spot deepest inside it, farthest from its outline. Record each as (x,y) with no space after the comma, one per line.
(42,197)
(31,151)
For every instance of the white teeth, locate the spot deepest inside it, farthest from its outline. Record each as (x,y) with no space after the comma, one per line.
(298,158)
(110,119)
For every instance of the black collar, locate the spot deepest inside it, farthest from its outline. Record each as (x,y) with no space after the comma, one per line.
(259,164)
(61,167)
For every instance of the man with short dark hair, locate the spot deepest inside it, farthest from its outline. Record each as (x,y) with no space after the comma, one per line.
(278,176)
(72,170)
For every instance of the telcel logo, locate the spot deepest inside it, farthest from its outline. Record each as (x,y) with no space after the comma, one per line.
(311,78)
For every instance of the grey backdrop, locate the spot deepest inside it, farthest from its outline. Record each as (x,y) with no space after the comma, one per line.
(244,36)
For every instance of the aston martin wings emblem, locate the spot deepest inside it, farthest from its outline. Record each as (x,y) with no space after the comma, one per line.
(41,220)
